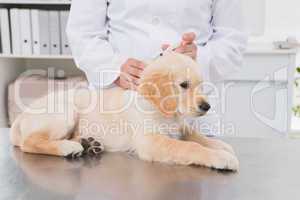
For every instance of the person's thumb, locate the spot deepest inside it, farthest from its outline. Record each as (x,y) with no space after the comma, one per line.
(188,38)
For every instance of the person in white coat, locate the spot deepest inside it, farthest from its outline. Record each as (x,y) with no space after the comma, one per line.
(110,39)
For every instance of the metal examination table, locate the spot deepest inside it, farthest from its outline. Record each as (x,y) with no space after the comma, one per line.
(270,169)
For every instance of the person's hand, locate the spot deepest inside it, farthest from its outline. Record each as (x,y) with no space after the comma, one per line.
(131,72)
(187,45)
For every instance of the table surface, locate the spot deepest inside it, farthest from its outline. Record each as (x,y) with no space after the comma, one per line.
(269,170)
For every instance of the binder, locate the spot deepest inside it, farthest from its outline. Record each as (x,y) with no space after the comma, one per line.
(40,32)
(26,31)
(15,31)
(65,48)
(5,31)
(54,32)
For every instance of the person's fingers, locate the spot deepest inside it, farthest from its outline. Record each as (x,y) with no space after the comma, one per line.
(136,63)
(140,66)
(130,74)
(180,49)
(125,83)
(191,54)
(192,48)
(134,71)
(133,67)
(130,82)
(186,48)
(133,79)
(130,78)
(165,46)
(188,38)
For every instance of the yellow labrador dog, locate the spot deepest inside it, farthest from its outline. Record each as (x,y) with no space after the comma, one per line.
(141,121)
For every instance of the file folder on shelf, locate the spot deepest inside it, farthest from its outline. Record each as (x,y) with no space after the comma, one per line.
(65,47)
(54,32)
(15,31)
(5,31)
(26,31)
(40,32)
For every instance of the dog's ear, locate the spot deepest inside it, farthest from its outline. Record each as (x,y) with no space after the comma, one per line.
(157,87)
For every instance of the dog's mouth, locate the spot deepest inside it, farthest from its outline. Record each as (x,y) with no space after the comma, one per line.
(195,113)
(201,113)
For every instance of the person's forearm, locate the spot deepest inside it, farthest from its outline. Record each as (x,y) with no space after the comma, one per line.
(87,35)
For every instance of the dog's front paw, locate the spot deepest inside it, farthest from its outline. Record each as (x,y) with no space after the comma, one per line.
(71,149)
(223,160)
(91,146)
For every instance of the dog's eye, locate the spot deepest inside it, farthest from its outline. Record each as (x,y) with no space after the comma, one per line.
(185,85)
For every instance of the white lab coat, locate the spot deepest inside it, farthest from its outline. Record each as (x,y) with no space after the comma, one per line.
(103,35)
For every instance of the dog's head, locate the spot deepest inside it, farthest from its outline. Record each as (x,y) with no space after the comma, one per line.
(173,84)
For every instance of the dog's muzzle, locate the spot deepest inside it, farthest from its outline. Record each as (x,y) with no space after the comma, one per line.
(204,107)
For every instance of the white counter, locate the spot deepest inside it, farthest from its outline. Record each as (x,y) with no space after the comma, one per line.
(267,48)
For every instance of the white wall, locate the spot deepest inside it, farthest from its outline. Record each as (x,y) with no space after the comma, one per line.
(282,19)
(283,15)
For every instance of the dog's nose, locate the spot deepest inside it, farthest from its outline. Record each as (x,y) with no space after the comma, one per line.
(204,106)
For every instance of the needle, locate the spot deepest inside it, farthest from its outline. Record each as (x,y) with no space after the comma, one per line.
(170,48)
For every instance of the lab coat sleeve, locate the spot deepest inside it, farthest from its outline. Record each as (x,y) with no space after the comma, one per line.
(223,53)
(88,37)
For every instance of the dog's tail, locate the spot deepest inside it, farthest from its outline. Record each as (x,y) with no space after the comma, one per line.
(15,134)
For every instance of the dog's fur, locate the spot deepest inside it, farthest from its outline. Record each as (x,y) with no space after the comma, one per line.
(124,120)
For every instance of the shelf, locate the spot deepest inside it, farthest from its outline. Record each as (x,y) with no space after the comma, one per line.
(268,48)
(55,57)
(36,2)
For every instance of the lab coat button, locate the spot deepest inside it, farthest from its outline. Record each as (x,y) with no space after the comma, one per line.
(155,21)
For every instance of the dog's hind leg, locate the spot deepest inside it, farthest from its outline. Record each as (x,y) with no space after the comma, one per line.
(40,143)
(49,134)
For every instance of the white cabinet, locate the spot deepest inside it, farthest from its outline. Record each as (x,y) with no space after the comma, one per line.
(256,112)
(257,101)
